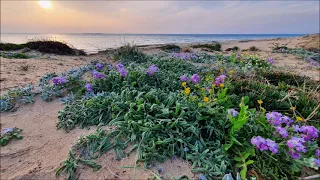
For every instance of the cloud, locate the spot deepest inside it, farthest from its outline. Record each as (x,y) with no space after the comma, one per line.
(162,17)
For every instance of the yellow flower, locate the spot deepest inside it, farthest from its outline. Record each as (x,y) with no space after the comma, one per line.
(205,99)
(184,84)
(260,101)
(221,85)
(231,72)
(202,89)
(187,91)
(213,85)
(299,118)
(292,108)
(221,70)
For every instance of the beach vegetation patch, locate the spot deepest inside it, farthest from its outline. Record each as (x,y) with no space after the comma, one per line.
(232,114)
(234,48)
(15,55)
(44,46)
(8,134)
(212,47)
(253,48)
(171,48)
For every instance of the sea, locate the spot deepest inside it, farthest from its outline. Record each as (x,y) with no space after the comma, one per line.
(94,42)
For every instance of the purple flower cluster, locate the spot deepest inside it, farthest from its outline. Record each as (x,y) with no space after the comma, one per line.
(99,66)
(220,80)
(6,130)
(122,70)
(88,87)
(97,75)
(195,78)
(264,144)
(185,56)
(184,78)
(282,131)
(152,69)
(59,80)
(307,132)
(271,61)
(296,145)
(277,119)
(233,112)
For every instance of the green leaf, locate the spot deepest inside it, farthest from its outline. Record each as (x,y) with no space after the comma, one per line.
(243,173)
(227,146)
(239,165)
(239,159)
(249,162)
(246,99)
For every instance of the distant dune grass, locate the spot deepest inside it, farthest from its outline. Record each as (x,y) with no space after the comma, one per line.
(44,46)
(213,47)
(171,48)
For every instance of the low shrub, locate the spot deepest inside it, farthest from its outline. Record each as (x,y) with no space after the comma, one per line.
(44,46)
(213,47)
(129,53)
(253,48)
(234,48)
(171,48)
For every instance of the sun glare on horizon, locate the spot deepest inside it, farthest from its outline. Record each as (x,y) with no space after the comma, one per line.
(45,4)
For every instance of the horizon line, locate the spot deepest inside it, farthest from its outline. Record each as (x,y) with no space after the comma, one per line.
(160,33)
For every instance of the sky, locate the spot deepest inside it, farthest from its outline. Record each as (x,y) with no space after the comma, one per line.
(161,17)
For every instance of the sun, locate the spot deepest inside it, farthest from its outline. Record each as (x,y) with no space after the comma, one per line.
(45,4)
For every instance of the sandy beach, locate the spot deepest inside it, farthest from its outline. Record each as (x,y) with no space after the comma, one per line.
(12,75)
(43,147)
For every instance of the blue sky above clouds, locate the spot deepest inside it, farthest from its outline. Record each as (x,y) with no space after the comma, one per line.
(162,17)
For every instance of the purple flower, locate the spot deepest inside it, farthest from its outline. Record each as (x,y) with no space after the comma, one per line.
(59,80)
(264,144)
(273,146)
(122,70)
(282,131)
(270,60)
(282,50)
(99,66)
(233,112)
(195,78)
(274,118)
(317,152)
(294,154)
(6,130)
(97,75)
(286,120)
(185,56)
(296,128)
(277,119)
(88,87)
(120,66)
(317,162)
(152,69)
(296,145)
(184,78)
(310,132)
(220,80)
